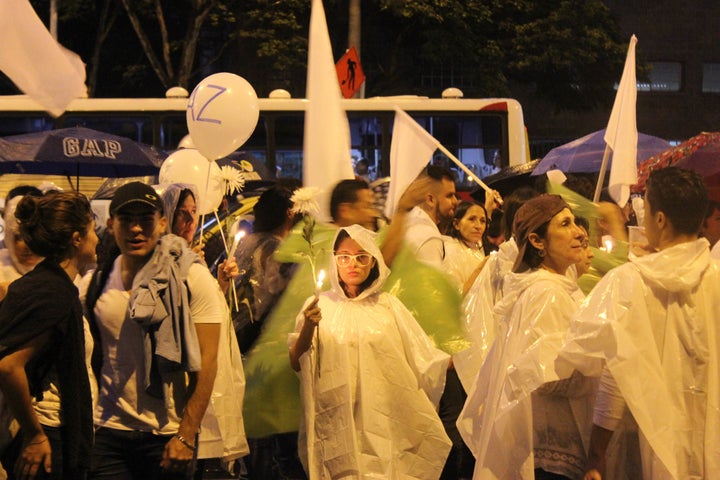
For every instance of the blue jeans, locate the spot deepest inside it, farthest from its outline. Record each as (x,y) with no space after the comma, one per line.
(131,455)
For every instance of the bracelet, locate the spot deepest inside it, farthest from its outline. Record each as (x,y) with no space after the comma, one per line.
(38,442)
(182,440)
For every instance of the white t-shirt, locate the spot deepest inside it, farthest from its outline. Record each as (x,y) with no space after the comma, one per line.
(123,403)
(425,239)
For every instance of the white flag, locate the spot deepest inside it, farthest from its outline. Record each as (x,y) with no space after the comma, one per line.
(326,148)
(621,134)
(52,75)
(410,151)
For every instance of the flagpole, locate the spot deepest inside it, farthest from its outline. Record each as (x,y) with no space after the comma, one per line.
(601,175)
(469,172)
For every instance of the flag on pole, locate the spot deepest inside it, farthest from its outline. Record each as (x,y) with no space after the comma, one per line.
(621,134)
(411,150)
(326,147)
(40,67)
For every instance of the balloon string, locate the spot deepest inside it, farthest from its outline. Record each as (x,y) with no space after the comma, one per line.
(202,215)
(233,290)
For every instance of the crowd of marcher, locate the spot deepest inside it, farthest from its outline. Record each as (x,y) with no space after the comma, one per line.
(132,366)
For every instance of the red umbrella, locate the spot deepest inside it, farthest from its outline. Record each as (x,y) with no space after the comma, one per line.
(701,153)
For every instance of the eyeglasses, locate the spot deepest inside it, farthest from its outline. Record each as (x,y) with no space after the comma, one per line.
(362,259)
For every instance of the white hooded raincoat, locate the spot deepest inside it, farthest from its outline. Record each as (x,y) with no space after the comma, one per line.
(506,417)
(654,323)
(371,386)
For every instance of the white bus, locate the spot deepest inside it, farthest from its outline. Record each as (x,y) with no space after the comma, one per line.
(485,134)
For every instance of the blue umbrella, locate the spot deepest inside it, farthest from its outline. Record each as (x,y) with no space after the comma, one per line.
(585,154)
(78,152)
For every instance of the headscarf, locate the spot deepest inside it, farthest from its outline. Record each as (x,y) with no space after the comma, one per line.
(530,216)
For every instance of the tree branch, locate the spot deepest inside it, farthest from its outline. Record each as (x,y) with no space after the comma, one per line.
(147,46)
(165,39)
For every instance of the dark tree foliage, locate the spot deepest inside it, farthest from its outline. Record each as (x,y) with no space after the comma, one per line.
(568,52)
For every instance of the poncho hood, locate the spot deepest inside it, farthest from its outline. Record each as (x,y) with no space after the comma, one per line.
(366,239)
(171,197)
(517,283)
(676,269)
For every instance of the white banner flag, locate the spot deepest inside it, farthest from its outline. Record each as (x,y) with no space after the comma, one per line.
(411,150)
(326,147)
(52,75)
(621,134)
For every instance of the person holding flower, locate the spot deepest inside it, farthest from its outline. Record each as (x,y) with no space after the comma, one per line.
(361,418)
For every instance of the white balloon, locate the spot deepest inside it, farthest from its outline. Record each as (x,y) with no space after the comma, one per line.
(189,166)
(222,113)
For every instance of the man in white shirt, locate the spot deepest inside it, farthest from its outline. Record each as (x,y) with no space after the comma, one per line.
(425,222)
(148,415)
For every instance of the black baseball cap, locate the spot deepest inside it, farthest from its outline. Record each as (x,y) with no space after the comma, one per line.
(133,193)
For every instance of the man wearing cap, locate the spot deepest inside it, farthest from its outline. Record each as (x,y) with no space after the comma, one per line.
(650,330)
(157,322)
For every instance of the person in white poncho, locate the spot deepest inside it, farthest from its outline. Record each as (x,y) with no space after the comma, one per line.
(519,420)
(486,291)
(371,378)
(650,329)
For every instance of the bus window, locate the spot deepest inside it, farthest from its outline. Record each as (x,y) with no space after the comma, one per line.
(288,141)
(137,127)
(18,125)
(366,140)
(171,129)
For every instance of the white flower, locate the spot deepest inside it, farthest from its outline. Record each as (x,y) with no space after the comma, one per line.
(305,201)
(233,178)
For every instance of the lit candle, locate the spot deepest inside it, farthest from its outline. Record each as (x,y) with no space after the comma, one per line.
(239,235)
(318,285)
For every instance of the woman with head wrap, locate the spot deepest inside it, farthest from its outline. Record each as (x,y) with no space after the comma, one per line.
(370,376)
(519,420)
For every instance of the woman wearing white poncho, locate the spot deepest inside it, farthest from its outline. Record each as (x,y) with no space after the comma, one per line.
(519,420)
(370,377)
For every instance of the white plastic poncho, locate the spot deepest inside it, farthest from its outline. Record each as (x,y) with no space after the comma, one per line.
(715,251)
(654,323)
(497,420)
(478,318)
(461,261)
(222,432)
(371,387)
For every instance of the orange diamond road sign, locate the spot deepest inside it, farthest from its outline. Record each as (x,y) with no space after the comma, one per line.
(350,73)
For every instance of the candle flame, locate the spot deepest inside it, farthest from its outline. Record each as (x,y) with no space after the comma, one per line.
(320,278)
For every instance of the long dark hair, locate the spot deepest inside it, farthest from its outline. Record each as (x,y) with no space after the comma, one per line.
(460,212)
